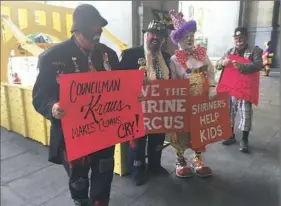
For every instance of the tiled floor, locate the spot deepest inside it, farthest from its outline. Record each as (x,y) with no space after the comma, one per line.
(27,179)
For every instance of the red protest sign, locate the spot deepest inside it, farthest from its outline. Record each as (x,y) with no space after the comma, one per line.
(244,86)
(101,109)
(165,106)
(209,119)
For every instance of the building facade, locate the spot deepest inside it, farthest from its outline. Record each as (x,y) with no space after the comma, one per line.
(217,20)
(263,21)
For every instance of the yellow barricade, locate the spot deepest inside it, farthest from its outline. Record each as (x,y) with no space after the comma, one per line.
(18,115)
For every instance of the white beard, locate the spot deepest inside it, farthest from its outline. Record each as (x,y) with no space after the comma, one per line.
(148,58)
(146,47)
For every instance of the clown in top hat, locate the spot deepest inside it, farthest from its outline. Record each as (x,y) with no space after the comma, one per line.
(191,62)
(151,58)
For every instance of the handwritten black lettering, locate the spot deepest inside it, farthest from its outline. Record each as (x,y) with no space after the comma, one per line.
(95,107)
(126,129)
(98,110)
(82,130)
(247,97)
(95,87)
(109,122)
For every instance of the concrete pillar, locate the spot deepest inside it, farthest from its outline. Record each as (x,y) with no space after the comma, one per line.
(255,16)
(142,16)
(275,34)
(146,16)
(136,32)
(244,13)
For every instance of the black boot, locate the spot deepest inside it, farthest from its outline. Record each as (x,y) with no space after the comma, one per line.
(230,141)
(139,177)
(81,202)
(244,144)
(155,148)
(138,173)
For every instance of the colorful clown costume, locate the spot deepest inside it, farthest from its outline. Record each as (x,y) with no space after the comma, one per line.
(191,62)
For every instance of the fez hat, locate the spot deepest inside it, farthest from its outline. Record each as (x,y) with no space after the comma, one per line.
(241,31)
(157,27)
(181,26)
(86,15)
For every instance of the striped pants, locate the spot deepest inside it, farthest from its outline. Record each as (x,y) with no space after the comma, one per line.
(245,111)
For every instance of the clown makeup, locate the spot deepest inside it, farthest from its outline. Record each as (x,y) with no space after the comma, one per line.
(240,41)
(187,41)
(92,34)
(153,42)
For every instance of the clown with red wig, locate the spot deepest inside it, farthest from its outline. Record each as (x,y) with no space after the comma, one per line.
(191,62)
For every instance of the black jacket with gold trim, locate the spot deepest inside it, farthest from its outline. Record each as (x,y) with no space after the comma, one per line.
(130,57)
(65,57)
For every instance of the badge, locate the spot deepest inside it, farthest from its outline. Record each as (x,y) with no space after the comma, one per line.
(60,66)
(142,63)
(106,62)
(76,66)
(58,76)
(247,55)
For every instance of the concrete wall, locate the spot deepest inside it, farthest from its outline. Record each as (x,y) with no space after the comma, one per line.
(260,22)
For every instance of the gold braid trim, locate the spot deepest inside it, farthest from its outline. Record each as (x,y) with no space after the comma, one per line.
(163,66)
(149,67)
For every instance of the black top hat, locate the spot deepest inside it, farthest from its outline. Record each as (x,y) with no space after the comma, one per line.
(241,31)
(85,15)
(157,27)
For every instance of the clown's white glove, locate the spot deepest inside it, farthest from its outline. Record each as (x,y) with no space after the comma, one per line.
(212,93)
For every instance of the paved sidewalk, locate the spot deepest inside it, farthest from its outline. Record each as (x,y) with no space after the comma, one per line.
(27,179)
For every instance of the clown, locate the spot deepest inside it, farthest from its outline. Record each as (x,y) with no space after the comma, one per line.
(267,58)
(154,61)
(191,62)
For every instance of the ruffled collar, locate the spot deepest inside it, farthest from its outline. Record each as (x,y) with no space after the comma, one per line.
(198,53)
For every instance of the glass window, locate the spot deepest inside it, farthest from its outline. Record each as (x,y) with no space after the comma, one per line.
(217,37)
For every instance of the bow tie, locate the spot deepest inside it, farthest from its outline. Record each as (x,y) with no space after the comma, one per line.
(198,53)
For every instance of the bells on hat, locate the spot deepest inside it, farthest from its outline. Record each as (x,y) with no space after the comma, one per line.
(177,19)
(181,26)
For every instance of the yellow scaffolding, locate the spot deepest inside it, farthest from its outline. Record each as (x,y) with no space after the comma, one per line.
(19,18)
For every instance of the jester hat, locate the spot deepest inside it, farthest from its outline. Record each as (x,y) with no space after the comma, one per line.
(181,26)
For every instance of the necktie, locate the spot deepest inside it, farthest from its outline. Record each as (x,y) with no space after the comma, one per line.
(158,71)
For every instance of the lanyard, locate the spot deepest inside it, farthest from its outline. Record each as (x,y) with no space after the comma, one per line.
(90,63)
(106,64)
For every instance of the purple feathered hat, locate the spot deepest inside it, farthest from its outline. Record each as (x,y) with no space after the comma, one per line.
(181,26)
